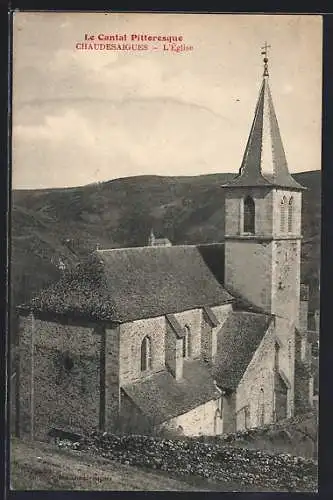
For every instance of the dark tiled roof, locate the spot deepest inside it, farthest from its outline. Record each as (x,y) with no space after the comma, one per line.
(238,339)
(131,283)
(161,397)
(252,172)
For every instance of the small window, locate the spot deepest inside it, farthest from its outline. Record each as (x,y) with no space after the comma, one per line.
(290,215)
(249,215)
(146,360)
(283,208)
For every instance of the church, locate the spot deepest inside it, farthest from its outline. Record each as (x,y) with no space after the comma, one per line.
(185,339)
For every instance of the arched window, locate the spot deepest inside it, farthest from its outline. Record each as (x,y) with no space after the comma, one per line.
(186,342)
(283,208)
(249,215)
(146,354)
(290,215)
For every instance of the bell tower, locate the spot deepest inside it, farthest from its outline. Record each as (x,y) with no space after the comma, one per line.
(263,218)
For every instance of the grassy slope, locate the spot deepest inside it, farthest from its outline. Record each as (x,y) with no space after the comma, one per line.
(66,223)
(41,466)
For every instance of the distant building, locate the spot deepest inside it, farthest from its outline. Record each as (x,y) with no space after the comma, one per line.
(208,339)
(158,242)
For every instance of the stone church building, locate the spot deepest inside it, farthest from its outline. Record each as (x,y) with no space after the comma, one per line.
(192,339)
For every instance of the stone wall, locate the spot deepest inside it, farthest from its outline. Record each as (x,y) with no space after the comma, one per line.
(274,267)
(59,377)
(228,413)
(286,279)
(131,337)
(248,270)
(78,369)
(256,390)
(201,420)
(111,377)
(234,201)
(267,211)
(163,341)
(192,319)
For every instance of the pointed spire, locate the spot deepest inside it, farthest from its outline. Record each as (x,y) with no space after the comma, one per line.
(264,52)
(264,161)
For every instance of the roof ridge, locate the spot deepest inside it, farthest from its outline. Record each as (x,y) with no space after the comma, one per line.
(101,250)
(125,284)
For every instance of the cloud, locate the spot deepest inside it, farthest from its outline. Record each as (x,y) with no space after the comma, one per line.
(81,116)
(135,136)
(56,129)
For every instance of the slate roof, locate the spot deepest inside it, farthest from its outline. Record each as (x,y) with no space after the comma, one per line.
(162,397)
(237,341)
(132,283)
(264,161)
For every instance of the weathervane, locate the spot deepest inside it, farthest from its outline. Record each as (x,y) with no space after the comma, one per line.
(264,52)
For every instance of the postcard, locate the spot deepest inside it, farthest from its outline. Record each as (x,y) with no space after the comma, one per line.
(165,251)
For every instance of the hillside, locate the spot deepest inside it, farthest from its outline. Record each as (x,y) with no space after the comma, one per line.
(53,224)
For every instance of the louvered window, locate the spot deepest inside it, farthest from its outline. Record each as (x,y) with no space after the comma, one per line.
(290,214)
(283,209)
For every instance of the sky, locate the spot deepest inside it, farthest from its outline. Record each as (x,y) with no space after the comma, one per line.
(83,116)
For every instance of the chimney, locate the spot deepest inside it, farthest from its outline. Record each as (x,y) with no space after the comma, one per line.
(304,307)
(175,335)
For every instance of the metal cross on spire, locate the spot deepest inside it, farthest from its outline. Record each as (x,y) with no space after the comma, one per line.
(264,52)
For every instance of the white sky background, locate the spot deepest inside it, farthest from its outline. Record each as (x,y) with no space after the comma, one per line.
(86,116)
